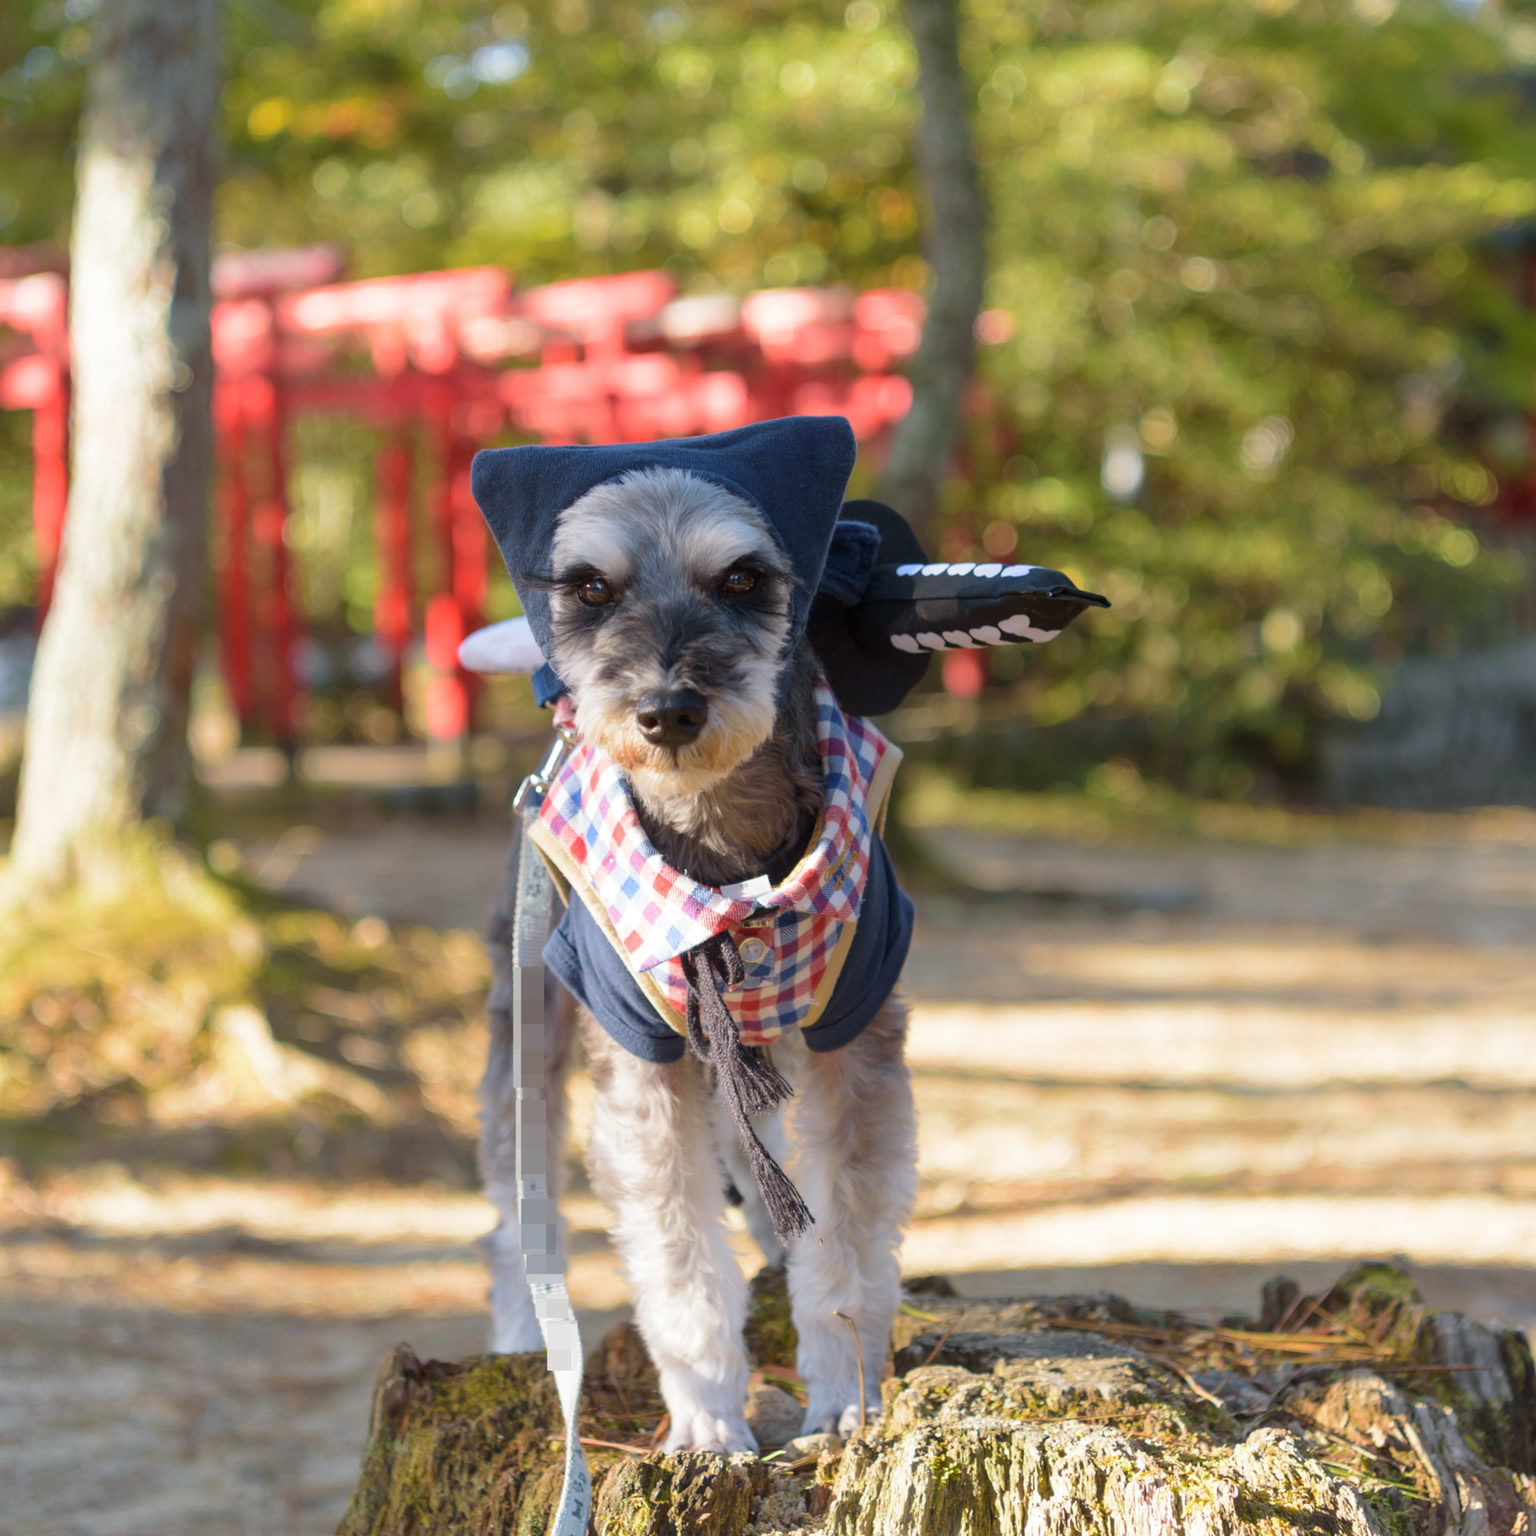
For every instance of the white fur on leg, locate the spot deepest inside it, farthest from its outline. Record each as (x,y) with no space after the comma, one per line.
(854,1131)
(653,1161)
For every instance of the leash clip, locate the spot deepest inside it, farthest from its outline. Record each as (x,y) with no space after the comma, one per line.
(531,792)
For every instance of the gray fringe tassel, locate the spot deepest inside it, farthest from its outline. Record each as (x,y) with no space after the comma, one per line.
(751,1082)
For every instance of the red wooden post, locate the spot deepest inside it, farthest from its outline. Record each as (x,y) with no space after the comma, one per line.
(445,619)
(460,606)
(50,482)
(471,544)
(447,695)
(234,577)
(270,527)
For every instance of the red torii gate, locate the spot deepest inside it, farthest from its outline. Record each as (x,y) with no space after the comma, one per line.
(462,357)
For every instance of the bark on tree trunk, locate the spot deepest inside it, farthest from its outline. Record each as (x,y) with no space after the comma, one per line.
(106,743)
(954,244)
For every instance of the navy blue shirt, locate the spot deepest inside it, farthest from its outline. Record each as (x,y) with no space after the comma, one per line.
(583,957)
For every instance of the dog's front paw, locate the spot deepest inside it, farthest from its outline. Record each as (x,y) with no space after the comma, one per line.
(698,1429)
(831,1416)
(828,1418)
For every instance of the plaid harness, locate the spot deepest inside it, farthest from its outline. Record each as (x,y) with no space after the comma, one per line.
(792,938)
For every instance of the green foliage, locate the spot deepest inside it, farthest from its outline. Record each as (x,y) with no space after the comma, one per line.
(18,561)
(1265,245)
(738,144)
(43,48)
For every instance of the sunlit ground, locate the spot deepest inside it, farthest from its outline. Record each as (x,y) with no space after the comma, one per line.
(1165,1057)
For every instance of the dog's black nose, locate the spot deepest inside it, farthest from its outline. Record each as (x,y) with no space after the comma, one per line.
(673,718)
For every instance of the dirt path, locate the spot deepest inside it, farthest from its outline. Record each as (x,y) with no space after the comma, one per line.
(1168,1072)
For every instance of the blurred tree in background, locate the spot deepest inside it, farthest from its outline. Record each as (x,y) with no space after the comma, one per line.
(1245,322)
(108,712)
(921,449)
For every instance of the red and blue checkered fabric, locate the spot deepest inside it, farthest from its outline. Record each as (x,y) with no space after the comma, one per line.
(657,912)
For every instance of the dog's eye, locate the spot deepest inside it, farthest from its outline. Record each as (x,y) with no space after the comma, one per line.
(595,593)
(738,580)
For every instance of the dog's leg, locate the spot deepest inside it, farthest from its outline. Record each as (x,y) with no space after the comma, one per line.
(855,1138)
(653,1161)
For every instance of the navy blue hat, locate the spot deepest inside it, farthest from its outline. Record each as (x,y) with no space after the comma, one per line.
(793,470)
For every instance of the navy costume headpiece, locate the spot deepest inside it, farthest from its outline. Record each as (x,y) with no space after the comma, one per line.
(794,471)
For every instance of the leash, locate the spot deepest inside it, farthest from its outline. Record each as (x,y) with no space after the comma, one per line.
(537,1219)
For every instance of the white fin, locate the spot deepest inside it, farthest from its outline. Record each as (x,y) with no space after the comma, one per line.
(505,647)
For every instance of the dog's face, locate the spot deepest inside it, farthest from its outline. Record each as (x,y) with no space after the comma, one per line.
(670,609)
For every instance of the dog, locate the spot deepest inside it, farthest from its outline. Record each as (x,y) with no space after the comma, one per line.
(675,620)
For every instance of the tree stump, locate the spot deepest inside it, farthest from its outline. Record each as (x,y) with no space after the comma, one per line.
(1362,1412)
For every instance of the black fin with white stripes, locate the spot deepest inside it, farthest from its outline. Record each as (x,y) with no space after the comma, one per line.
(875,649)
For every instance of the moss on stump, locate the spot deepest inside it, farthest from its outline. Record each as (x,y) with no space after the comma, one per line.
(678,1495)
(472,1447)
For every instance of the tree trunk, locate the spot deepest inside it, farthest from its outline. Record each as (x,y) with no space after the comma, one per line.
(106,743)
(954,244)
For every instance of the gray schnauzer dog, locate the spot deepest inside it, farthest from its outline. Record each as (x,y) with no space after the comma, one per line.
(670,620)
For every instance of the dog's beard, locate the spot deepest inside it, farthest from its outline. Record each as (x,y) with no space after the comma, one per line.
(738,724)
